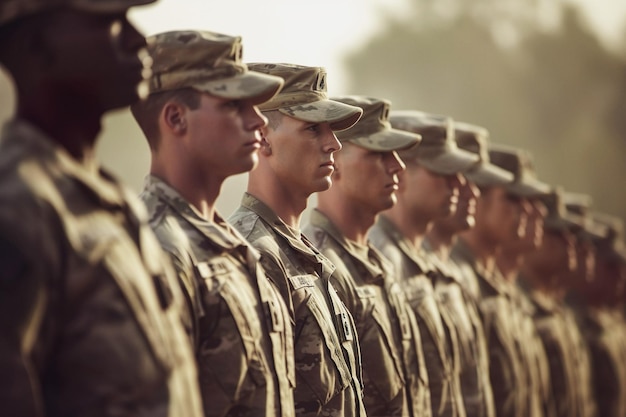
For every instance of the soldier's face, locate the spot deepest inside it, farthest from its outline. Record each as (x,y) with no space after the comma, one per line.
(301,154)
(429,195)
(95,58)
(502,217)
(367,178)
(223,137)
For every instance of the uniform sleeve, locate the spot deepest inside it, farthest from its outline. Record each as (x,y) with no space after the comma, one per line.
(22,303)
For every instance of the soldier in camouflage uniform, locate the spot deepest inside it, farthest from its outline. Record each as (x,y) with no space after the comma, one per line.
(453,292)
(90,313)
(296,160)
(201,122)
(602,323)
(499,218)
(364,184)
(542,271)
(427,191)
(539,400)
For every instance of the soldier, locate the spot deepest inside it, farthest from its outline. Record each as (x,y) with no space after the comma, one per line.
(542,271)
(539,400)
(601,295)
(364,184)
(201,122)
(474,360)
(499,217)
(427,191)
(90,314)
(296,160)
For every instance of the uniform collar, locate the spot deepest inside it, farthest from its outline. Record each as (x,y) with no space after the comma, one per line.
(371,259)
(217,231)
(399,240)
(99,184)
(294,238)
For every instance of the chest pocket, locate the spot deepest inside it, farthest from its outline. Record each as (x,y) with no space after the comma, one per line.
(382,361)
(231,330)
(318,345)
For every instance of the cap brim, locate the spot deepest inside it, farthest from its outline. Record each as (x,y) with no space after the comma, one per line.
(249,85)
(488,175)
(107,6)
(340,116)
(387,140)
(569,222)
(449,162)
(528,188)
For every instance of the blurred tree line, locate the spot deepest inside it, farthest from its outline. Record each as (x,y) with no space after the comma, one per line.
(530,71)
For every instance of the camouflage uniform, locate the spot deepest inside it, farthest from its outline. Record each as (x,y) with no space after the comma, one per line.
(90,313)
(603,330)
(437,342)
(364,281)
(472,360)
(540,401)
(506,369)
(327,357)
(241,329)
(550,323)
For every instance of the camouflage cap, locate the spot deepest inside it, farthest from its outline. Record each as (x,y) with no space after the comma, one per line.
(473,138)
(558,219)
(13,10)
(304,96)
(612,244)
(373,131)
(579,206)
(519,163)
(438,151)
(209,62)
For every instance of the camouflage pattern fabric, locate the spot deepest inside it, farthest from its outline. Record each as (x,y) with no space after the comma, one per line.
(540,401)
(90,312)
(365,283)
(437,345)
(604,332)
(209,62)
(551,326)
(473,359)
(241,328)
(497,311)
(327,356)
(304,96)
(585,399)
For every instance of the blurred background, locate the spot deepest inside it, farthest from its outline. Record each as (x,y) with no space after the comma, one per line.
(545,75)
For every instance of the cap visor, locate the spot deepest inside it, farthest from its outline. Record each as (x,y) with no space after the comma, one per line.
(340,116)
(107,6)
(450,162)
(488,175)
(528,188)
(387,140)
(249,85)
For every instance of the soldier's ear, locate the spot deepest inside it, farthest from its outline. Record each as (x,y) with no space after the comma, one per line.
(173,115)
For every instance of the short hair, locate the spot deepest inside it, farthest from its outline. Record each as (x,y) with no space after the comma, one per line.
(146,112)
(274,118)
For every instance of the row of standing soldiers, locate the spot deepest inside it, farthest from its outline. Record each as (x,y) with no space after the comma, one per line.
(437,276)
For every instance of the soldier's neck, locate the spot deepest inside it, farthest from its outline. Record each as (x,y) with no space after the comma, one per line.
(413,226)
(78,138)
(352,220)
(286,203)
